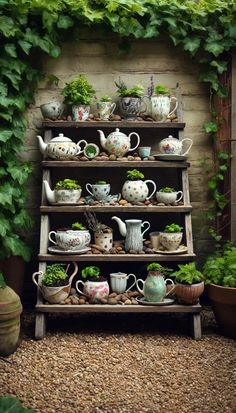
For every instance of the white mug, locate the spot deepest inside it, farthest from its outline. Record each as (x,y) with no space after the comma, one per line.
(119,281)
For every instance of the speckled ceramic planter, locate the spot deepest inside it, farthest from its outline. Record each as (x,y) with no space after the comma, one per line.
(171,240)
(169,197)
(67,196)
(137,191)
(71,239)
(104,240)
(99,192)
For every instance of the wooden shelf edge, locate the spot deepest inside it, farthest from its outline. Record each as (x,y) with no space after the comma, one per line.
(113,124)
(116,257)
(99,208)
(115,164)
(107,308)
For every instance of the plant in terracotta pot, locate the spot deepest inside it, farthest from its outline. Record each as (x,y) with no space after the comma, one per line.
(103,234)
(105,107)
(79,93)
(220,277)
(171,237)
(189,283)
(55,283)
(75,238)
(96,287)
(67,191)
(168,195)
(135,189)
(130,99)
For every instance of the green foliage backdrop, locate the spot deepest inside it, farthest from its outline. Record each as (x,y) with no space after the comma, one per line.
(206,29)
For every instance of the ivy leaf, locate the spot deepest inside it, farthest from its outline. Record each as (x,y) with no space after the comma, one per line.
(64,22)
(4,225)
(26,46)
(214,47)
(7,26)
(49,19)
(192,44)
(14,78)
(10,49)
(221,66)
(23,220)
(210,127)
(6,116)
(16,246)
(55,51)
(5,134)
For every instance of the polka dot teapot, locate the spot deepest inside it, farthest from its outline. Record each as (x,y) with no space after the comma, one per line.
(117,142)
(60,147)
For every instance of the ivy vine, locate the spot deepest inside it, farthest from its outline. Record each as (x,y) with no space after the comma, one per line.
(32,28)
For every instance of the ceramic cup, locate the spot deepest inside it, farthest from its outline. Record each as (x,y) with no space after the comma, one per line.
(80,112)
(171,241)
(155,239)
(169,197)
(144,151)
(105,110)
(71,239)
(119,282)
(99,192)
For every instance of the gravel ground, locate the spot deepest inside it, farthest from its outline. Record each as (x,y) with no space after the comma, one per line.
(145,363)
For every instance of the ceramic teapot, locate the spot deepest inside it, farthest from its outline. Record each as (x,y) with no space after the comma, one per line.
(131,230)
(154,287)
(174,146)
(60,147)
(61,196)
(117,142)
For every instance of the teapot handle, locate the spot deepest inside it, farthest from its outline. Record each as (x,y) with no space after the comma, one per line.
(190,146)
(172,289)
(154,185)
(180,193)
(145,222)
(138,140)
(77,288)
(87,186)
(79,150)
(135,281)
(173,98)
(139,289)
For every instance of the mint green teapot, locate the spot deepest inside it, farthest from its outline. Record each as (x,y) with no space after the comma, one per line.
(154,287)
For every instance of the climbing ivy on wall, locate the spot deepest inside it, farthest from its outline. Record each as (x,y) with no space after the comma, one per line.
(33,28)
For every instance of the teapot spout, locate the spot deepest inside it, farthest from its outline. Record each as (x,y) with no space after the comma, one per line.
(42,144)
(122,226)
(102,139)
(49,193)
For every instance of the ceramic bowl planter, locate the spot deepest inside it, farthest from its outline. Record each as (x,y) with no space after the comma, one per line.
(52,110)
(96,288)
(189,294)
(54,295)
(80,113)
(61,194)
(171,237)
(71,239)
(169,197)
(130,100)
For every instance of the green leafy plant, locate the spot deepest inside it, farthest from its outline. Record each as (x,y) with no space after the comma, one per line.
(136,91)
(101,183)
(55,276)
(10,404)
(78,226)
(161,90)
(91,272)
(90,150)
(188,274)
(154,266)
(67,184)
(173,228)
(221,268)
(2,281)
(134,175)
(78,91)
(105,98)
(167,190)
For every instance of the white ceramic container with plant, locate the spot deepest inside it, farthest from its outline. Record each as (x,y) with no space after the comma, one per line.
(135,189)
(168,195)
(95,287)
(100,190)
(105,107)
(67,191)
(189,283)
(74,239)
(160,102)
(79,94)
(171,237)
(103,235)
(130,99)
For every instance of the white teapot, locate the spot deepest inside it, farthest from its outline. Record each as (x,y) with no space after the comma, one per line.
(60,147)
(117,142)
(173,146)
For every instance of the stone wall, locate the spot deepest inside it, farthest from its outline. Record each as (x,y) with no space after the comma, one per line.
(100,59)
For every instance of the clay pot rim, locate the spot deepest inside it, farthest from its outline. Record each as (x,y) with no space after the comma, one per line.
(189,285)
(222,287)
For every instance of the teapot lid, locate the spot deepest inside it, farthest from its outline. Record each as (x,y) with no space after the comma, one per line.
(60,138)
(117,130)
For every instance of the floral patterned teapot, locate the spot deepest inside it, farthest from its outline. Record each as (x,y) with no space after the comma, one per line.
(117,142)
(174,146)
(60,147)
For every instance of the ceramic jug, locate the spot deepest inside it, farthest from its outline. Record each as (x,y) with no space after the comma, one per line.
(119,282)
(131,229)
(154,287)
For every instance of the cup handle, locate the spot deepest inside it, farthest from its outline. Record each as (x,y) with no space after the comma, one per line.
(172,289)
(113,106)
(139,289)
(181,196)
(87,186)
(145,222)
(173,98)
(77,288)
(74,272)
(154,185)
(190,146)
(135,281)
(50,236)
(138,140)
(33,277)
(79,150)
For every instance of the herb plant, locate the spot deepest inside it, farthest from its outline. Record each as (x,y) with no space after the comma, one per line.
(101,183)
(154,266)
(173,228)
(167,190)
(91,272)
(78,226)
(78,91)
(221,269)
(161,90)
(134,175)
(90,150)
(55,276)
(105,98)
(136,91)
(67,184)
(188,274)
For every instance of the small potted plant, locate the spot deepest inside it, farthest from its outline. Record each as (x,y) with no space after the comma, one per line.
(95,287)
(130,99)
(55,283)
(105,107)
(154,287)
(135,189)
(168,195)
(100,190)
(171,237)
(67,191)
(75,238)
(79,93)
(189,283)
(220,277)
(161,101)
(103,235)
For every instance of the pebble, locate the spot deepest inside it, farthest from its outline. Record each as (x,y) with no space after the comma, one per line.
(151,158)
(121,252)
(119,248)
(74,300)
(131,158)
(112,301)
(123,202)
(104,300)
(115,118)
(83,158)
(141,252)
(82,301)
(127,302)
(112,157)
(133,252)
(149,251)
(112,295)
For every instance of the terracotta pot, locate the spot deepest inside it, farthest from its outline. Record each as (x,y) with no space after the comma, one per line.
(189,294)
(223,300)
(13,269)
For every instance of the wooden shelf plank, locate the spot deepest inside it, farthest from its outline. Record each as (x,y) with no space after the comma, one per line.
(115,124)
(116,257)
(107,308)
(114,164)
(101,208)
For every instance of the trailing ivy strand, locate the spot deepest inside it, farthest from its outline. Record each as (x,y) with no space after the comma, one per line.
(205,29)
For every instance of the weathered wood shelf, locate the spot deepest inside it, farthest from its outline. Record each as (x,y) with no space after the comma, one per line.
(116,257)
(114,164)
(113,124)
(101,208)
